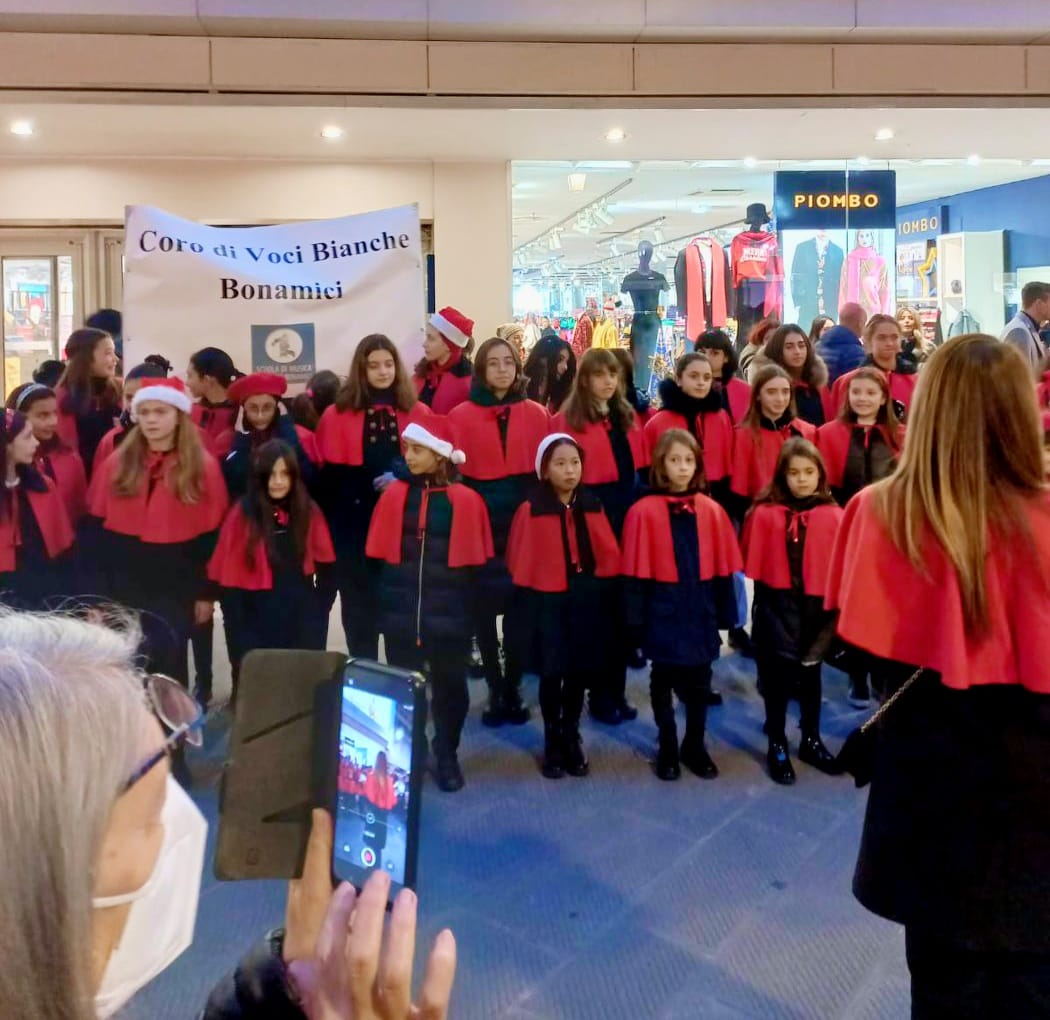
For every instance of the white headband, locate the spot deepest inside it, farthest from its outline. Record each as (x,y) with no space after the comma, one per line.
(546,442)
(417,434)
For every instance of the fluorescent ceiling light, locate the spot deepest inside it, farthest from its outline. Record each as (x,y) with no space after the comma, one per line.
(616,134)
(22,128)
(332,132)
(884,134)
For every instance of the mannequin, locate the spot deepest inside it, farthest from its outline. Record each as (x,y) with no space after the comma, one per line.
(865,277)
(815,270)
(643,287)
(702,285)
(758,272)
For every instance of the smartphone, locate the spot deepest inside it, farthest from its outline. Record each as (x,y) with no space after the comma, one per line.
(379,753)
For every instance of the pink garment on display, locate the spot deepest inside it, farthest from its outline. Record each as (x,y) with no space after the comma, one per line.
(866,282)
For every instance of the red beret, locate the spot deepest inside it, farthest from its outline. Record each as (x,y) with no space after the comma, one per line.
(258,384)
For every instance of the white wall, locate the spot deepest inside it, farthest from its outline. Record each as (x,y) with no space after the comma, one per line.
(469,205)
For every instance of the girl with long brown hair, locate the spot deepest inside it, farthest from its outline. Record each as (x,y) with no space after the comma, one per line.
(358,440)
(88,392)
(882,341)
(499,430)
(941,573)
(155,507)
(272,558)
(791,349)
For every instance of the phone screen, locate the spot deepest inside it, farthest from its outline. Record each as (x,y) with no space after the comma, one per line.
(374,785)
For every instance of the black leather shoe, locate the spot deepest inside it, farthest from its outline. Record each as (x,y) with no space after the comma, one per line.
(667,767)
(628,713)
(553,765)
(712,697)
(448,774)
(493,715)
(515,711)
(813,752)
(698,761)
(780,770)
(603,712)
(576,763)
(740,641)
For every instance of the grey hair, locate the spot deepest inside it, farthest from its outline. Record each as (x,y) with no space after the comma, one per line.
(71,704)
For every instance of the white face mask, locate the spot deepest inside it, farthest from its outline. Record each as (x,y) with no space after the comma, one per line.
(163,912)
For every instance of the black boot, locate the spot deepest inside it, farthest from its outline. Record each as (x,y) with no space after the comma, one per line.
(693,754)
(515,711)
(576,763)
(447,773)
(667,766)
(740,640)
(493,715)
(812,751)
(780,770)
(553,760)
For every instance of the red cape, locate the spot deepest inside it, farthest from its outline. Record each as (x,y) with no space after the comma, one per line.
(107,444)
(159,517)
(67,423)
(890,609)
(536,553)
(599,464)
(714,433)
(833,442)
(739,396)
(1042,391)
(51,518)
(476,433)
(229,564)
(470,544)
(70,478)
(339,438)
(902,388)
(648,551)
(452,390)
(755,453)
(764,544)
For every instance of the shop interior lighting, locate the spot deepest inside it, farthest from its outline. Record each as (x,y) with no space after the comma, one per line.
(863,160)
(554,242)
(974,160)
(616,134)
(884,135)
(577,182)
(22,128)
(750,162)
(658,236)
(602,215)
(332,132)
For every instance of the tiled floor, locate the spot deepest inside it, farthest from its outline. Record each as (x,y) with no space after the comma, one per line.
(617,896)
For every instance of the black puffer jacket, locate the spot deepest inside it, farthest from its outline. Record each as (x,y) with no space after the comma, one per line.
(423,591)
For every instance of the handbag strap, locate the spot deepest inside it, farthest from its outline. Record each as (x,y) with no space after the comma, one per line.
(884,707)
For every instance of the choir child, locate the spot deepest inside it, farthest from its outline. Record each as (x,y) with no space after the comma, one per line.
(564,560)
(35,532)
(155,507)
(358,441)
(431,534)
(679,556)
(209,376)
(443,378)
(273,551)
(88,392)
(499,429)
(733,391)
(787,543)
(133,382)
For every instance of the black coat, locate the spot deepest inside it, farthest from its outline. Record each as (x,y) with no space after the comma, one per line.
(678,624)
(423,583)
(957,835)
(869,459)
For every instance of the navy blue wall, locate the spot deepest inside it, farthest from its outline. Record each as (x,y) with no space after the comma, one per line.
(1018,208)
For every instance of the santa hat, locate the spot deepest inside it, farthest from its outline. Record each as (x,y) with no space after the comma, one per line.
(443,448)
(453,325)
(546,443)
(258,384)
(166,391)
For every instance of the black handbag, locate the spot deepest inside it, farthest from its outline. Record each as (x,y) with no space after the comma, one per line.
(857,756)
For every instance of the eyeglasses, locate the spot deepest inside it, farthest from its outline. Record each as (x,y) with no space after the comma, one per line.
(178,712)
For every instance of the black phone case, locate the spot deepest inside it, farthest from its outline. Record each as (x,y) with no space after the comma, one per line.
(273,774)
(331,697)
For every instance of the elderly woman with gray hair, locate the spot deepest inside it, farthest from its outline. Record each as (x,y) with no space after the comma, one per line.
(102,852)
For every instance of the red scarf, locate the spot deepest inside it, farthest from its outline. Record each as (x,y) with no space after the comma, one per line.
(436,370)
(697,315)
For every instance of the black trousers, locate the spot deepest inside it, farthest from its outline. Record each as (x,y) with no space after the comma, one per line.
(949,982)
(445,664)
(561,699)
(690,684)
(783,679)
(358,607)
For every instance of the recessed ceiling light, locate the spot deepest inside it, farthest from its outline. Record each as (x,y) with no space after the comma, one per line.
(22,128)
(750,161)
(616,134)
(332,132)
(973,160)
(577,182)
(884,135)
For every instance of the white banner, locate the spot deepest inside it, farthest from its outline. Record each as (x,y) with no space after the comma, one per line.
(292,299)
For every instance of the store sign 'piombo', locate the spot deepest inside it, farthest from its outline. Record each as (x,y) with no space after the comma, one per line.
(839,200)
(835,199)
